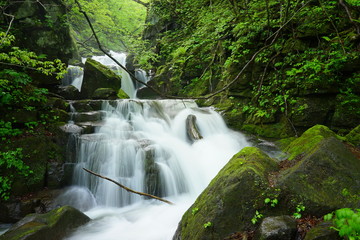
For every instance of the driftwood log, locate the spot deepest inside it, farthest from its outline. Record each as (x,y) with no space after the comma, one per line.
(128,189)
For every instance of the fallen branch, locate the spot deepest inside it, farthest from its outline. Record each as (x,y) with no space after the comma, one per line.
(128,189)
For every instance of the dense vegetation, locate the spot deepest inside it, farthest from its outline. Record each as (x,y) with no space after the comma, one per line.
(284,64)
(295,49)
(19,97)
(118,25)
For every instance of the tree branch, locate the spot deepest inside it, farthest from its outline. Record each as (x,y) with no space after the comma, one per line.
(128,189)
(349,15)
(111,57)
(142,3)
(8,29)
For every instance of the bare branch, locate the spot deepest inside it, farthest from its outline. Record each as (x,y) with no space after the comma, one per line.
(8,29)
(128,189)
(142,3)
(111,57)
(349,15)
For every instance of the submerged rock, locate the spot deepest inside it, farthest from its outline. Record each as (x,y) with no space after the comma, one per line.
(53,225)
(192,130)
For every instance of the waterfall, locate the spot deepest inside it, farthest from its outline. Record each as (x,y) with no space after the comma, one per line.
(143,145)
(126,82)
(142,76)
(73,76)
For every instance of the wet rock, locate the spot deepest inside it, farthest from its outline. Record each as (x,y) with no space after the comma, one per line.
(192,130)
(277,228)
(104,93)
(152,173)
(56,223)
(69,92)
(122,95)
(228,202)
(97,75)
(87,116)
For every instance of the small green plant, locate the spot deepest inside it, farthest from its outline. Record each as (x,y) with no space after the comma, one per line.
(256,217)
(208,225)
(194,211)
(272,202)
(346,221)
(12,162)
(299,208)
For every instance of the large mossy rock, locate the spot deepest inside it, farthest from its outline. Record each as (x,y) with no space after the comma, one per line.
(42,27)
(309,139)
(325,175)
(97,75)
(354,136)
(53,225)
(228,202)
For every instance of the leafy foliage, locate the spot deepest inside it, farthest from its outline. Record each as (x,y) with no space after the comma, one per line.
(11,165)
(17,93)
(312,47)
(118,25)
(346,222)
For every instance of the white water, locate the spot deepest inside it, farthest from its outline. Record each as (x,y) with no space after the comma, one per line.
(126,83)
(118,150)
(74,76)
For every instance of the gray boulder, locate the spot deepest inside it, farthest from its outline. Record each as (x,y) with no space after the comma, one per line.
(277,228)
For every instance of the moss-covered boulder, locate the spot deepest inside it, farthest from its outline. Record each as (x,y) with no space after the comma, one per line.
(274,130)
(52,225)
(308,140)
(42,27)
(326,176)
(322,231)
(353,136)
(122,94)
(97,75)
(104,93)
(227,204)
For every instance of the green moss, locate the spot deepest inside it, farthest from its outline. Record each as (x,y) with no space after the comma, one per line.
(229,199)
(276,130)
(285,142)
(122,95)
(308,141)
(354,136)
(318,180)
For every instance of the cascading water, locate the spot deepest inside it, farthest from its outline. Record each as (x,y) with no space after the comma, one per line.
(74,76)
(144,145)
(126,82)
